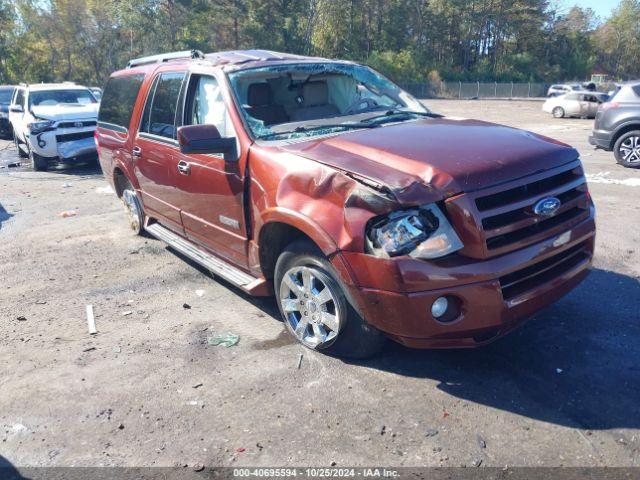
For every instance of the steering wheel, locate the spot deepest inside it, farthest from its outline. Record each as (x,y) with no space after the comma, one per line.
(361,105)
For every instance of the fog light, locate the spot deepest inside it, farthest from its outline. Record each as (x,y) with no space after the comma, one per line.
(439,307)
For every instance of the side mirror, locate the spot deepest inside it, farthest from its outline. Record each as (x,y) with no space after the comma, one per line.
(16,109)
(206,139)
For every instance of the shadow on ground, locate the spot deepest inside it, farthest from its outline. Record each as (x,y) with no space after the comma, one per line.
(4,215)
(577,363)
(8,471)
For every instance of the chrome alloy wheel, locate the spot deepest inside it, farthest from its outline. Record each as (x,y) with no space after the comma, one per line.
(134,211)
(310,306)
(630,150)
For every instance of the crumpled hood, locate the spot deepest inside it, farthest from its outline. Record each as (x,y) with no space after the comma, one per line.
(66,112)
(432,159)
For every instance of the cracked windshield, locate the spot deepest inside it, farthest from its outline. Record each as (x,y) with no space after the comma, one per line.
(295,101)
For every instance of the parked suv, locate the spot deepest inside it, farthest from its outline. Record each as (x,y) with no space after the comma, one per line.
(617,125)
(6,92)
(54,122)
(326,185)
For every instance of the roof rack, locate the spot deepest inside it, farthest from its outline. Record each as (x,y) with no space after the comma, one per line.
(165,57)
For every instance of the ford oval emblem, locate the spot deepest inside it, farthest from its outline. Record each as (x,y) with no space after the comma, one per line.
(547,207)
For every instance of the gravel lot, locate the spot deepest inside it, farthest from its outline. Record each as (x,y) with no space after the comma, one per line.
(149,390)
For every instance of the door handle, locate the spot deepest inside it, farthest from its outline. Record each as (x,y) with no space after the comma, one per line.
(136,151)
(184,168)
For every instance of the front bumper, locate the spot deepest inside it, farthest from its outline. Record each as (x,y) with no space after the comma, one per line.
(65,145)
(396,296)
(601,139)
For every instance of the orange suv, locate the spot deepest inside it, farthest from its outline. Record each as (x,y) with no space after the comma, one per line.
(325,184)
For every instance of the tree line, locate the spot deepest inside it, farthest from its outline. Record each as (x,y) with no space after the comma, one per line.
(408,40)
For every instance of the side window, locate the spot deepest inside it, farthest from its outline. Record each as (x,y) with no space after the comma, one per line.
(206,106)
(144,123)
(118,100)
(161,119)
(19,97)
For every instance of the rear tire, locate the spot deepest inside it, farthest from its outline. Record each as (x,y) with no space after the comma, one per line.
(39,163)
(16,142)
(321,316)
(627,149)
(558,112)
(133,207)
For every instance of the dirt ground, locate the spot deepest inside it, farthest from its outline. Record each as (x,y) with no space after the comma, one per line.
(148,390)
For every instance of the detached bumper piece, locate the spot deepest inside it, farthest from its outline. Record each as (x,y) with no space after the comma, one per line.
(76,146)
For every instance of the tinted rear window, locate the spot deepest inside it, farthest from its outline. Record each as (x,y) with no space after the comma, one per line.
(118,100)
(5,95)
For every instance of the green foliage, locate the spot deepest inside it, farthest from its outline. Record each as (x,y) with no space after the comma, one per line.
(408,40)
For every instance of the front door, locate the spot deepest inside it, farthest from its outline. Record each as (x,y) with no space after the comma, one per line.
(211,190)
(155,150)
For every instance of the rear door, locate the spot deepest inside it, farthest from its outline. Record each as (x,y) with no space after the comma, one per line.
(17,119)
(210,188)
(155,150)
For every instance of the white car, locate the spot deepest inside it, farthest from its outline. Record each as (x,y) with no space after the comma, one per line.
(561,89)
(575,104)
(54,122)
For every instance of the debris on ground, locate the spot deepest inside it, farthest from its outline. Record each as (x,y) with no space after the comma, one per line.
(383,429)
(186,306)
(127,313)
(197,385)
(116,349)
(91,321)
(121,426)
(21,318)
(66,185)
(481,442)
(300,361)
(41,302)
(226,339)
(445,414)
(431,432)
(90,349)
(200,293)
(558,371)
(197,467)
(241,449)
(68,213)
(476,462)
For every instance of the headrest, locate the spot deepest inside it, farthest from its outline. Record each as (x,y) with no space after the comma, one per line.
(259,94)
(315,93)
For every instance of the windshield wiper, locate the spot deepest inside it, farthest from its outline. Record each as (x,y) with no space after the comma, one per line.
(396,113)
(303,129)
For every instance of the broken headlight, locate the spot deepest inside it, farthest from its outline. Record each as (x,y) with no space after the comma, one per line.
(40,126)
(422,232)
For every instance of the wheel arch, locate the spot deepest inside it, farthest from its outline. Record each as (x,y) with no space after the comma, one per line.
(284,228)
(622,130)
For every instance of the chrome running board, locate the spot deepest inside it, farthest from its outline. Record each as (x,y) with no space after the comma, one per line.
(214,264)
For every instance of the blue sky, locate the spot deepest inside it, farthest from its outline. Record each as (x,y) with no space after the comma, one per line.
(602,7)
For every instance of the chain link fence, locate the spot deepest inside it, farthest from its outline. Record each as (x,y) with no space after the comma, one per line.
(466,90)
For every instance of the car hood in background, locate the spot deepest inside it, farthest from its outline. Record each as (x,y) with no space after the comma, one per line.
(437,158)
(66,111)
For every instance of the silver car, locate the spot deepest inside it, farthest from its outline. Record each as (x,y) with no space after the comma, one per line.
(575,104)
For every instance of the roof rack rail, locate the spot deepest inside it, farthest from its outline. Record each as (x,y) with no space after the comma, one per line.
(166,57)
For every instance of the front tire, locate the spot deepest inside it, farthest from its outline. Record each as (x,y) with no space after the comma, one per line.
(38,163)
(627,149)
(315,308)
(558,112)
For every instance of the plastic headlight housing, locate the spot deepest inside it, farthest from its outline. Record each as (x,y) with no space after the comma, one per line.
(422,232)
(40,126)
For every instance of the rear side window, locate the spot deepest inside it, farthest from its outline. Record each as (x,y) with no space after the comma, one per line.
(20,97)
(636,90)
(118,100)
(159,117)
